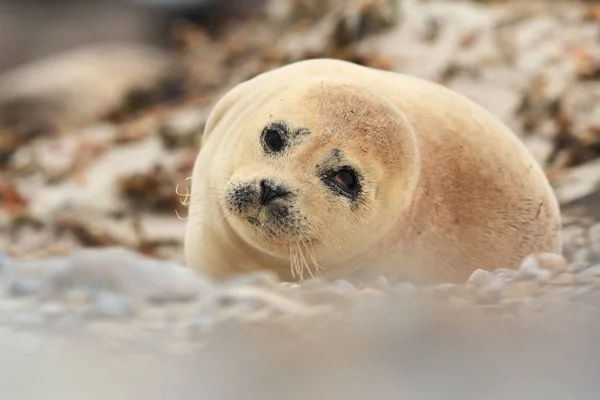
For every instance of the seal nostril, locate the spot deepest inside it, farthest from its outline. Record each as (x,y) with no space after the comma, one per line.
(270,191)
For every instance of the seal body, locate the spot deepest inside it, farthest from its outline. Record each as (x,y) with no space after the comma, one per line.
(324,166)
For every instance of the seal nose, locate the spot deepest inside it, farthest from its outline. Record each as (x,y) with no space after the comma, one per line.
(269,191)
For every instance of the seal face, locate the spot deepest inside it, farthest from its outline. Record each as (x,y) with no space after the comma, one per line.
(275,209)
(317,179)
(326,164)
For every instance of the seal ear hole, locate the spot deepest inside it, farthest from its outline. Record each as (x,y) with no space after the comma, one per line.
(274,137)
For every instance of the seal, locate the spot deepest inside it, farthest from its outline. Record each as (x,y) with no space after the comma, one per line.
(327,167)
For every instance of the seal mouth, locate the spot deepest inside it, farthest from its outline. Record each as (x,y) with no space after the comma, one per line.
(271,224)
(265,233)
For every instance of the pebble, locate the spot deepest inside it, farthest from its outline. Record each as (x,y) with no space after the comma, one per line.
(371,292)
(588,276)
(30,277)
(343,286)
(77,297)
(583,255)
(444,289)
(266,279)
(590,272)
(289,285)
(53,309)
(531,268)
(25,287)
(125,272)
(324,295)
(111,305)
(577,267)
(480,277)
(563,279)
(405,289)
(586,295)
(522,289)
(382,282)
(552,262)
(491,292)
(467,291)
(505,273)
(200,325)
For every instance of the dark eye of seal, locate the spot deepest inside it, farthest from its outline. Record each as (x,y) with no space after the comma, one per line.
(273,137)
(346,179)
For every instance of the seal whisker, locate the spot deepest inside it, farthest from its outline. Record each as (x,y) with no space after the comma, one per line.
(310,272)
(293,262)
(186,194)
(311,254)
(304,262)
(179,216)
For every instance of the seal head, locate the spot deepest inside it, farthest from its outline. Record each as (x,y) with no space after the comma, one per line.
(316,168)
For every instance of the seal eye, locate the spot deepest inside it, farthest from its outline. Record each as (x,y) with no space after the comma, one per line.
(273,137)
(274,140)
(346,179)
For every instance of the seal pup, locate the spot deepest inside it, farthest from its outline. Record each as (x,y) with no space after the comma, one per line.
(325,165)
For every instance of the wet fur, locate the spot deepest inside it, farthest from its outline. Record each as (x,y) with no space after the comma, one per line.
(447,187)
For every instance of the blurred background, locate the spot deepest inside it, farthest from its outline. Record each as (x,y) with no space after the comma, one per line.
(31,29)
(101,107)
(102,102)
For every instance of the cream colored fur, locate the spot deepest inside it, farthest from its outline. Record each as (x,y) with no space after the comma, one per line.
(448,187)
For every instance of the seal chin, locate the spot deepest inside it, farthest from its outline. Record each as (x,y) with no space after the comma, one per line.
(252,225)
(267,232)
